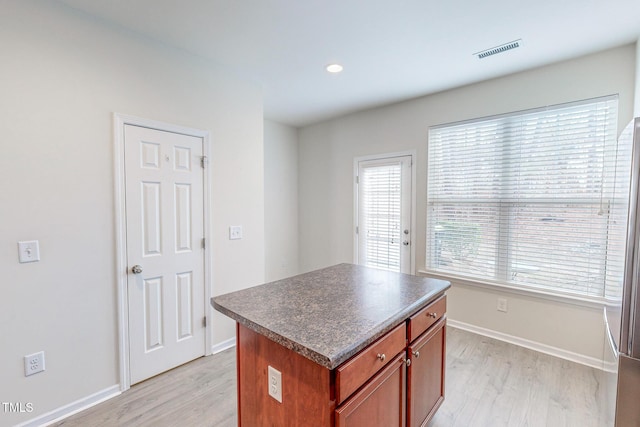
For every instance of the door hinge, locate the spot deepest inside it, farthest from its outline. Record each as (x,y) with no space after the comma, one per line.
(357,229)
(204,321)
(203,161)
(357,179)
(204,246)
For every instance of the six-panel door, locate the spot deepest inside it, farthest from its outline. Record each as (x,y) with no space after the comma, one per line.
(165,220)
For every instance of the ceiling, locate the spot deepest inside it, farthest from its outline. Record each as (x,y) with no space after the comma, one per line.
(390,50)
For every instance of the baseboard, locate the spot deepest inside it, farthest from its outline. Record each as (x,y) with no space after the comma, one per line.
(532,345)
(231,342)
(72,408)
(611,367)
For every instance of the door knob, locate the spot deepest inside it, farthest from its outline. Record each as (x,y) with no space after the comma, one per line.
(136,269)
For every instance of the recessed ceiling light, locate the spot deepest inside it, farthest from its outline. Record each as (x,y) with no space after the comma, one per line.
(334,68)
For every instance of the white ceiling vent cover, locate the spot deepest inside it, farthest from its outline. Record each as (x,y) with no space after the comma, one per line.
(499,49)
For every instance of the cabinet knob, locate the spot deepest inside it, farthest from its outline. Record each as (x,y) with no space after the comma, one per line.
(416,354)
(406,362)
(381,357)
(432,315)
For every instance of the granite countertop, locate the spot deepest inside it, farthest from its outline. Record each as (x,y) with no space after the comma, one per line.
(329,315)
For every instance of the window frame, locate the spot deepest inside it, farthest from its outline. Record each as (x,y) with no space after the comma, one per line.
(506,221)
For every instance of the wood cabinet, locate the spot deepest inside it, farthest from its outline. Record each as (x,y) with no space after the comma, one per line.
(381,402)
(425,382)
(352,374)
(398,380)
(425,333)
(423,319)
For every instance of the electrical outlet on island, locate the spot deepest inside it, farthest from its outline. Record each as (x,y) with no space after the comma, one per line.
(275,384)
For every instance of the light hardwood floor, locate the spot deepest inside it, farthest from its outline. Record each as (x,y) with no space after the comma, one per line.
(492,383)
(488,383)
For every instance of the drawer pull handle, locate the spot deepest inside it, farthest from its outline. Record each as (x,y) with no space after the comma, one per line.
(416,354)
(381,357)
(432,315)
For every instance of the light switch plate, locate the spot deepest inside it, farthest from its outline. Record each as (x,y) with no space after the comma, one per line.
(29,251)
(235,232)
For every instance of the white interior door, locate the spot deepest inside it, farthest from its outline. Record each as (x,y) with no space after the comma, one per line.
(165,255)
(383,226)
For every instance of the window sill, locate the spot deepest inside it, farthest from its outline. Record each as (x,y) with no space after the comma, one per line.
(595,303)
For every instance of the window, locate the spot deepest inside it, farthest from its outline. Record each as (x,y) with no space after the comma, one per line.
(535,199)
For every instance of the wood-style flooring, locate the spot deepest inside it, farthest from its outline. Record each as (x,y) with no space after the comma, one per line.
(488,383)
(492,383)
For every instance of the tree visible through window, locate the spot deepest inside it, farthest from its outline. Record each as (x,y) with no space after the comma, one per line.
(535,199)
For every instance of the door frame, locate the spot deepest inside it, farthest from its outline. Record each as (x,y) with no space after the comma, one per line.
(119,122)
(410,153)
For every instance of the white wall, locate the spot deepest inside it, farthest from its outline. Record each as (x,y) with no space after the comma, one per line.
(62,75)
(281,200)
(327,150)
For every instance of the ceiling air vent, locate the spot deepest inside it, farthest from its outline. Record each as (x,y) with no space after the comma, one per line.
(499,49)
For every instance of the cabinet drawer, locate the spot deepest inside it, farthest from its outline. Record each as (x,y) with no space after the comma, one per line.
(422,320)
(355,372)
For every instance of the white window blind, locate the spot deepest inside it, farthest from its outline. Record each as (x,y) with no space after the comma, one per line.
(381,215)
(535,199)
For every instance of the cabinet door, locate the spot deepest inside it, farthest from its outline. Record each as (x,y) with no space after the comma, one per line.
(425,381)
(379,403)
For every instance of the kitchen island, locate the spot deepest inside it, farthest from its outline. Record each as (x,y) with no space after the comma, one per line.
(342,346)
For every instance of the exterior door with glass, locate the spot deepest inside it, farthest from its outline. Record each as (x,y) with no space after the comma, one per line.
(383,217)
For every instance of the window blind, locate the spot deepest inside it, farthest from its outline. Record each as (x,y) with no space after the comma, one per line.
(536,199)
(381,209)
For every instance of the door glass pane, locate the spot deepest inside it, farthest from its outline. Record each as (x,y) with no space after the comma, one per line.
(381,196)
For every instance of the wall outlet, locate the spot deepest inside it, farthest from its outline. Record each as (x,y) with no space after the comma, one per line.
(275,384)
(33,363)
(502,305)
